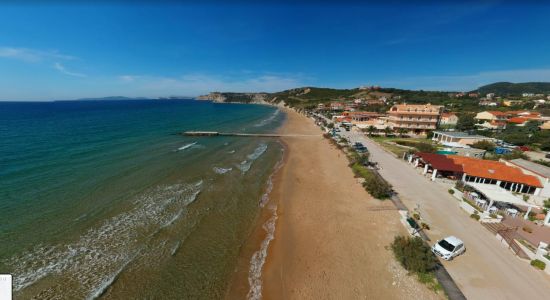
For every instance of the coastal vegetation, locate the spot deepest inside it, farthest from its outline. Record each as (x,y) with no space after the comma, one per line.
(417,258)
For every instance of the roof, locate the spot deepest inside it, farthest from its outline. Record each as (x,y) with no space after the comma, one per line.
(496,193)
(495,170)
(453,240)
(460,134)
(479,167)
(497,113)
(440,162)
(447,115)
(518,120)
(541,170)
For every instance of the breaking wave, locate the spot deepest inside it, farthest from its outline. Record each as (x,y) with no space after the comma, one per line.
(186,146)
(245,165)
(258,258)
(94,261)
(219,170)
(268,119)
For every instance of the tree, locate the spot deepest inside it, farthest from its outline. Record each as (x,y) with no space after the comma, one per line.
(371,130)
(387,130)
(485,145)
(466,122)
(330,125)
(401,132)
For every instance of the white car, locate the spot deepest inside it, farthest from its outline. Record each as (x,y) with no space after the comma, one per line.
(449,248)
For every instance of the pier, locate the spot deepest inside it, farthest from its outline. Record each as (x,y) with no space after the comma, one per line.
(216,133)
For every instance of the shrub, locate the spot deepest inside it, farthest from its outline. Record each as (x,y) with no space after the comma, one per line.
(485,145)
(374,183)
(459,185)
(475,216)
(538,264)
(413,254)
(527,229)
(416,216)
(492,215)
(451,191)
(425,226)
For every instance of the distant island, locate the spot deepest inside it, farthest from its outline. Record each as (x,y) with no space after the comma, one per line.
(121,98)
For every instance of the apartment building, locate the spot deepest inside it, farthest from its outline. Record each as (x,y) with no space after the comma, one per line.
(415,118)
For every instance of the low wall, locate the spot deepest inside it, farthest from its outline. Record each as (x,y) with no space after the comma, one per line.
(457,194)
(540,256)
(467,207)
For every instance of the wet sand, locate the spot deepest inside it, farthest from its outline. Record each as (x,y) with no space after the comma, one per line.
(331,238)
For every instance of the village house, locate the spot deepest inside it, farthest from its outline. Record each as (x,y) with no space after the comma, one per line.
(511,102)
(538,170)
(457,139)
(488,172)
(415,118)
(360,116)
(545,125)
(487,102)
(336,106)
(448,119)
(491,116)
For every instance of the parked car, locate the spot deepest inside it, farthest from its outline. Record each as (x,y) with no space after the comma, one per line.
(547,155)
(449,248)
(502,150)
(523,148)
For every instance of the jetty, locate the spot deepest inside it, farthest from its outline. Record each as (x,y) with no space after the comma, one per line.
(216,133)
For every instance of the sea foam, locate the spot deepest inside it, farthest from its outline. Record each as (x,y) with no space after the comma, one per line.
(245,165)
(219,170)
(268,119)
(94,261)
(186,146)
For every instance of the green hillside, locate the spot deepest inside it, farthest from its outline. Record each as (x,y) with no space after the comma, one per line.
(515,89)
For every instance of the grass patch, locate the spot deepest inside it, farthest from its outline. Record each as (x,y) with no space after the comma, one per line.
(430,280)
(539,264)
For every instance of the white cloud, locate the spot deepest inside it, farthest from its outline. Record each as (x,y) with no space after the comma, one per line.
(468,82)
(128,78)
(32,55)
(64,70)
(195,84)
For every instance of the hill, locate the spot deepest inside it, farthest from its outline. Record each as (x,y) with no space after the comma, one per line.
(515,89)
(307,97)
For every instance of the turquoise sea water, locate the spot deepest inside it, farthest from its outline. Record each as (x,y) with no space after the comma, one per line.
(106,199)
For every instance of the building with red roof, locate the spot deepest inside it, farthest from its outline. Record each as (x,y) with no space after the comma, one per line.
(470,169)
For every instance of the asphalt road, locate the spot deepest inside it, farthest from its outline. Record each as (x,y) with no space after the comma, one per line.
(488,270)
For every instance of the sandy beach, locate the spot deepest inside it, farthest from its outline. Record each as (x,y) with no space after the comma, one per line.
(331,238)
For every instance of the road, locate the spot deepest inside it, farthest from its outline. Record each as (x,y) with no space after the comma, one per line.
(487,270)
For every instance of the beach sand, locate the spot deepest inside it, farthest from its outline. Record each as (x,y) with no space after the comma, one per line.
(332,238)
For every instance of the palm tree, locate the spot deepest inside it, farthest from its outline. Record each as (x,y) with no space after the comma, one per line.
(387,130)
(371,130)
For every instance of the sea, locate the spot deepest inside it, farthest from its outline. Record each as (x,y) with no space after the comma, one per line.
(107,199)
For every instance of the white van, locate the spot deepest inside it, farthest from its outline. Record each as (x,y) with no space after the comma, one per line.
(449,248)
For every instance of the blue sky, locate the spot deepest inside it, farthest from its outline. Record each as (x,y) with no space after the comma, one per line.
(64,51)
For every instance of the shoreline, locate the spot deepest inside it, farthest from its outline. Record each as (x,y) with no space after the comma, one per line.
(330,240)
